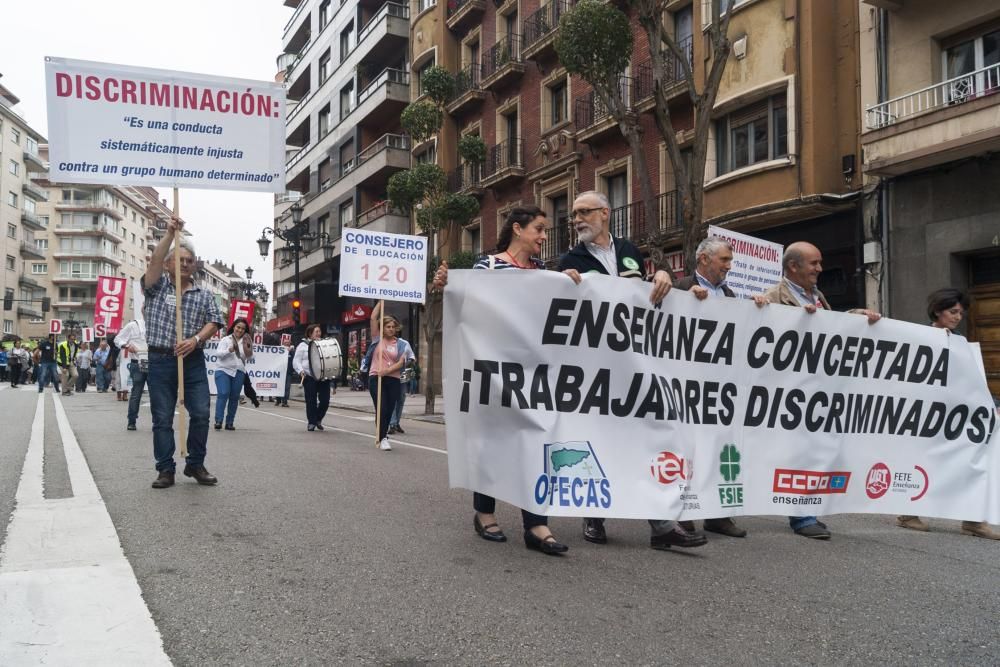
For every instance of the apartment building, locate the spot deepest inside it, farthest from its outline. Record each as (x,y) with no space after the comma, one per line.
(930,72)
(22,245)
(346,70)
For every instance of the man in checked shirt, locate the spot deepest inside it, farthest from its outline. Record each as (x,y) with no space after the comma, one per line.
(202,319)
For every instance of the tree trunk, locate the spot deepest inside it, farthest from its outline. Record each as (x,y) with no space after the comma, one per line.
(432,324)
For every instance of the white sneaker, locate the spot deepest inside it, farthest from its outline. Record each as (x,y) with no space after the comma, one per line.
(384,445)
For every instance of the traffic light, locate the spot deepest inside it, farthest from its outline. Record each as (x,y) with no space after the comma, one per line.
(46,304)
(296,312)
(8,301)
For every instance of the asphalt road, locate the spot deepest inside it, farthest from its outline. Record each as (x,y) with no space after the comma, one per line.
(315,548)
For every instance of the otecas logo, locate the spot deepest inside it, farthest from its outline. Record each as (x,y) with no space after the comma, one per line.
(667,468)
(877,483)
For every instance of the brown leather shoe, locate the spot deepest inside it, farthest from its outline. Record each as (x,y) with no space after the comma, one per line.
(200,475)
(678,537)
(979,529)
(725,527)
(912,522)
(164,479)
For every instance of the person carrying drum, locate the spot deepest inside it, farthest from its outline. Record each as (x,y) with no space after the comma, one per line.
(316,389)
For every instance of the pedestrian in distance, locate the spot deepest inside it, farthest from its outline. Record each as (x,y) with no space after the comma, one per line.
(945,309)
(46,369)
(235,350)
(83,362)
(4,364)
(802,265)
(289,370)
(520,242)
(201,319)
(714,258)
(114,365)
(404,381)
(19,360)
(102,378)
(389,354)
(598,251)
(66,358)
(317,391)
(132,338)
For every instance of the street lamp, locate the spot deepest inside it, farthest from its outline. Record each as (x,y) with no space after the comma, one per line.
(249,272)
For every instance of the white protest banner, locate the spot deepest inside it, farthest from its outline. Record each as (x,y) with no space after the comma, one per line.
(582,400)
(138,126)
(756,263)
(87,334)
(380,265)
(266,370)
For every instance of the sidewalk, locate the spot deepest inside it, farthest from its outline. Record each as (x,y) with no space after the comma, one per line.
(362,402)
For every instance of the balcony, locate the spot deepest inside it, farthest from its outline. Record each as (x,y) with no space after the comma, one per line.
(84,278)
(468,91)
(502,62)
(504,163)
(386,35)
(88,205)
(559,240)
(673,77)
(631,222)
(383,218)
(29,280)
(35,192)
(949,121)
(463,14)
(83,229)
(592,117)
(540,29)
(33,160)
(31,251)
(92,253)
(467,179)
(32,221)
(30,310)
(382,100)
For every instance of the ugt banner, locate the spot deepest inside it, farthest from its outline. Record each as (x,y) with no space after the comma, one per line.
(109,307)
(138,126)
(584,400)
(267,370)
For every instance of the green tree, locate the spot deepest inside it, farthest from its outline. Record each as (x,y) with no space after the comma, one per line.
(595,42)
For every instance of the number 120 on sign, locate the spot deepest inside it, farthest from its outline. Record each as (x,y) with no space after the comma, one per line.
(384,273)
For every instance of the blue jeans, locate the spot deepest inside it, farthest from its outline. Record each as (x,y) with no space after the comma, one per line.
(162,382)
(398,412)
(103,378)
(797,522)
(47,371)
(228,395)
(138,384)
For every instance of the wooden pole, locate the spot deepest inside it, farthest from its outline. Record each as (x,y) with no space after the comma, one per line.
(375,355)
(179,293)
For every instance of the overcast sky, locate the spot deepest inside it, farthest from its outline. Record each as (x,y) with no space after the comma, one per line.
(237,38)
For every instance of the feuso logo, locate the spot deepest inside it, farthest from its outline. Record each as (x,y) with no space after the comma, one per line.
(667,468)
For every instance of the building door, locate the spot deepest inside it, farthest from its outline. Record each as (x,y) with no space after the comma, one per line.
(984,315)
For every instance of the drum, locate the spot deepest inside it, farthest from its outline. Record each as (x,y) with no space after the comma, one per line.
(324,358)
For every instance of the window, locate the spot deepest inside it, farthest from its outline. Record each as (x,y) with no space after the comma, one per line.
(616,187)
(425,4)
(324,13)
(345,214)
(11,263)
(345,41)
(347,157)
(42,244)
(321,224)
(15,135)
(13,167)
(754,134)
(346,100)
(471,239)
(421,72)
(324,66)
(44,220)
(557,103)
(31,145)
(966,57)
(325,174)
(427,156)
(8,326)
(29,205)
(12,199)
(39,269)
(11,231)
(323,121)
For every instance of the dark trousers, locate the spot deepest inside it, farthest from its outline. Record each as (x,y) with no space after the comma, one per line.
(248,389)
(317,399)
(487,505)
(163,400)
(15,374)
(390,396)
(135,396)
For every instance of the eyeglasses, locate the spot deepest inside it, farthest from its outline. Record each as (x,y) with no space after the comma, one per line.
(585,211)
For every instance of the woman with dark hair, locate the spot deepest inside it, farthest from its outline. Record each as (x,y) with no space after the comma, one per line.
(317,392)
(518,247)
(235,350)
(945,309)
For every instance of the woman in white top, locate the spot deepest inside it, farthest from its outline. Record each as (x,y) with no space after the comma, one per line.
(234,351)
(84,358)
(317,392)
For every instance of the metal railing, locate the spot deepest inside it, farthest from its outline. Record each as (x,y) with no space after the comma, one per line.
(559,239)
(544,21)
(631,222)
(507,50)
(505,155)
(589,110)
(468,78)
(295,15)
(386,76)
(454,6)
(399,141)
(32,249)
(388,9)
(961,89)
(379,210)
(464,177)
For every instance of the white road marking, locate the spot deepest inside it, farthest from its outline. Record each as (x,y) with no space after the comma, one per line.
(68,595)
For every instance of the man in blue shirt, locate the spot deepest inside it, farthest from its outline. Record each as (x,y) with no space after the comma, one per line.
(47,366)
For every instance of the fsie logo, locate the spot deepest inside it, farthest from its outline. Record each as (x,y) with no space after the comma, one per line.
(810,482)
(730,493)
(572,477)
(667,468)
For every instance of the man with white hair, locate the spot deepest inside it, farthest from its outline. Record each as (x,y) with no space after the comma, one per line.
(600,252)
(202,319)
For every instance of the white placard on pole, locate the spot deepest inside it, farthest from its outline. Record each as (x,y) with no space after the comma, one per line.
(88,335)
(55,326)
(756,263)
(380,265)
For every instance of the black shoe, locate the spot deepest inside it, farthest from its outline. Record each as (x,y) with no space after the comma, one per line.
(399,429)
(549,546)
(319,427)
(164,479)
(678,537)
(725,527)
(688,526)
(256,402)
(485,533)
(816,531)
(392,429)
(200,475)
(230,427)
(593,531)
(131,426)
(311,427)
(218,426)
